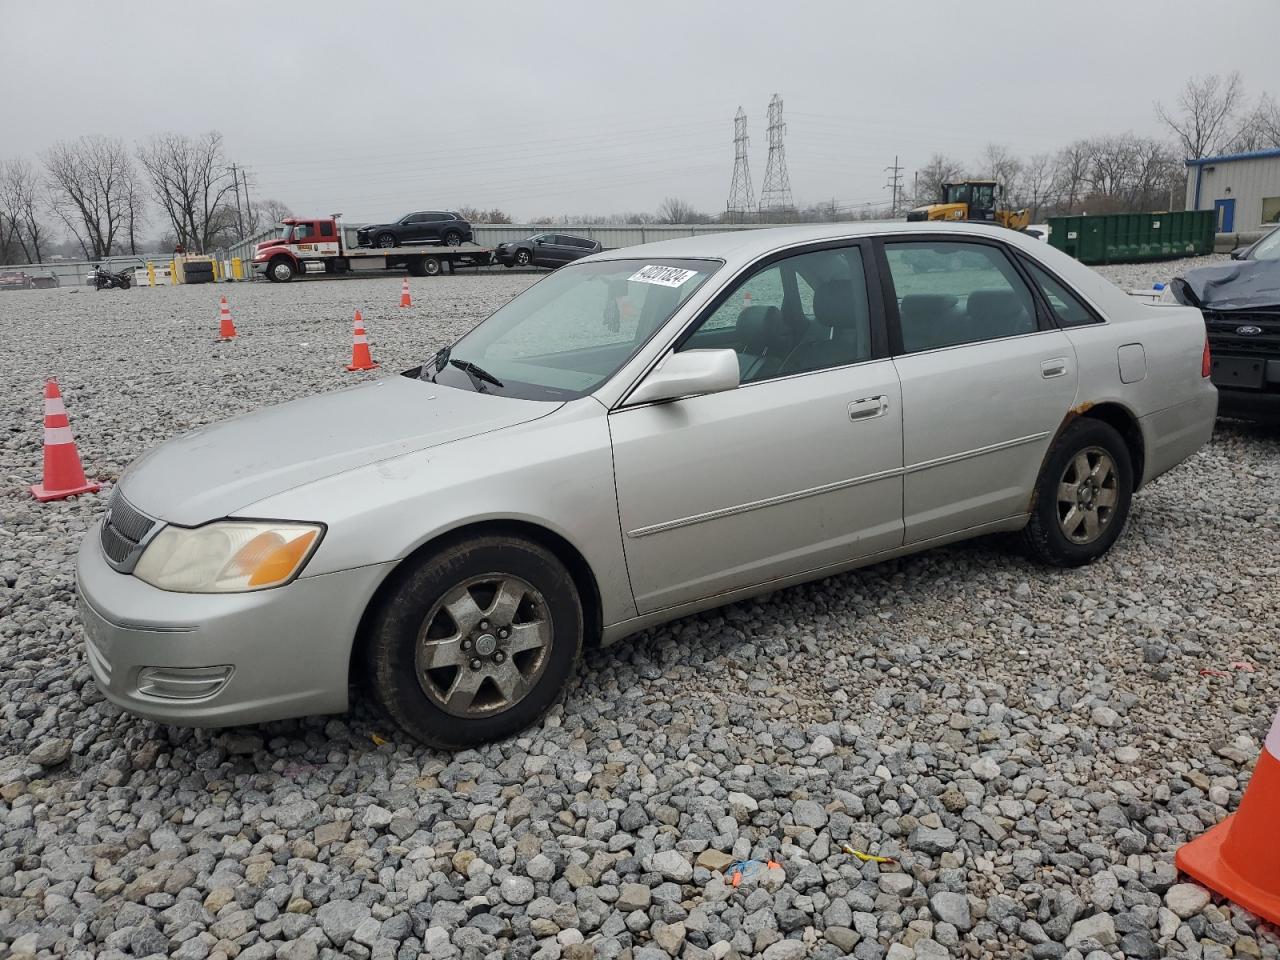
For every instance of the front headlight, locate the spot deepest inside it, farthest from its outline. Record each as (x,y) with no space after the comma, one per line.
(231,556)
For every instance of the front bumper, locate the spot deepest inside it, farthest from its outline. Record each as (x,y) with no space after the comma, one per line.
(220,659)
(1249,404)
(260,267)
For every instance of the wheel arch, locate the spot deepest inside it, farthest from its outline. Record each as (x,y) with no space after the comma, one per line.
(1115,415)
(1121,419)
(568,554)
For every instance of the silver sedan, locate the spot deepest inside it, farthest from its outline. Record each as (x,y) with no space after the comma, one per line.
(641,435)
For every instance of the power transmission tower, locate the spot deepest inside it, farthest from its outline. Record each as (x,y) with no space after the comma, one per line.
(775,192)
(894,184)
(741,199)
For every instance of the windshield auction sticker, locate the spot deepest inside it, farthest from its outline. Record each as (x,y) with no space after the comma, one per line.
(662,276)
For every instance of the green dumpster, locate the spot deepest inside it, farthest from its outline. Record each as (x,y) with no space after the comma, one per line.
(1134,237)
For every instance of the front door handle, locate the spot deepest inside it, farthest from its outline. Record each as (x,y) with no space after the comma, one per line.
(868,408)
(1057,367)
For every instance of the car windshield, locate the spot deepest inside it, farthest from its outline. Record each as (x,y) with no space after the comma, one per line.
(571,332)
(286,230)
(1268,247)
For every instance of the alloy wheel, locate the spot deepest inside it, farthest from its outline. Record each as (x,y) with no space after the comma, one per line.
(1087,495)
(483,645)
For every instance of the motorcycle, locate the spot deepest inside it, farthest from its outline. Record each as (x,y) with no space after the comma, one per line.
(104,279)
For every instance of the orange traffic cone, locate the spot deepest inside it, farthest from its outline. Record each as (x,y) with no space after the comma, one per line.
(1240,857)
(404,294)
(63,475)
(226,329)
(360,359)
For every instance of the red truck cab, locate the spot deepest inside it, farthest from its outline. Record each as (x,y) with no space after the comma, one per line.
(303,246)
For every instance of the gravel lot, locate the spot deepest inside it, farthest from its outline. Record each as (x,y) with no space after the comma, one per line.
(1031,746)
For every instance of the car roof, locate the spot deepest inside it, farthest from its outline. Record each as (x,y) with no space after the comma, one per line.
(749,244)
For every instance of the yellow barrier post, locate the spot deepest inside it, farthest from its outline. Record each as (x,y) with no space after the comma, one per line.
(173,271)
(237,268)
(151,274)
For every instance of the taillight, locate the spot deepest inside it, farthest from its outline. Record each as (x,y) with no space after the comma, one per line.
(1205,360)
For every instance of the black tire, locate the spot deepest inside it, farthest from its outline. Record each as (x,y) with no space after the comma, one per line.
(452,238)
(385,240)
(392,644)
(126,283)
(1045,535)
(523,257)
(415,268)
(280,270)
(431,266)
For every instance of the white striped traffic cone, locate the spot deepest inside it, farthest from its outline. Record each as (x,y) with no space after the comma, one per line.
(360,358)
(63,475)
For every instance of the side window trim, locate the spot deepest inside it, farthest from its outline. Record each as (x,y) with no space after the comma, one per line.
(1026,262)
(889,298)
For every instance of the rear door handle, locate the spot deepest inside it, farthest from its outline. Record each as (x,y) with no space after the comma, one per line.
(868,408)
(1057,367)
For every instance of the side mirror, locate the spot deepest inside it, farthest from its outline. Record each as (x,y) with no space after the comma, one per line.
(688,373)
(1238,253)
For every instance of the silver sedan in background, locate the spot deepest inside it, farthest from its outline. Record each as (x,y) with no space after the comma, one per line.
(643,434)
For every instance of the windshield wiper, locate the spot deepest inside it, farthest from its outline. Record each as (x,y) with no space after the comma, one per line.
(476,373)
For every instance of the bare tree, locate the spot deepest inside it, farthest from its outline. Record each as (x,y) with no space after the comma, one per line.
(22,205)
(675,210)
(481,215)
(264,214)
(930,178)
(91,180)
(1070,175)
(1259,128)
(192,182)
(1035,183)
(998,163)
(1204,118)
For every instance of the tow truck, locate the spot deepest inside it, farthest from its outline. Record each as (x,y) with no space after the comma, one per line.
(321,246)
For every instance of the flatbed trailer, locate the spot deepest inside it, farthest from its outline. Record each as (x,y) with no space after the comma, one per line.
(321,247)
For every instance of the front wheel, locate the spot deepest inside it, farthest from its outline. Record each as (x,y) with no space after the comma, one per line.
(1082,497)
(384,240)
(125,283)
(476,642)
(280,271)
(522,258)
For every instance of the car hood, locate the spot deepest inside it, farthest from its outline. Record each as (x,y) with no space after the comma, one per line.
(1241,285)
(224,467)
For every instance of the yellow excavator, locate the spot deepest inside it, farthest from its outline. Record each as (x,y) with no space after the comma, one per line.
(972,200)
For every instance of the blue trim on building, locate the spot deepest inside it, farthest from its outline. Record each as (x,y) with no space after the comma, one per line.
(1227,158)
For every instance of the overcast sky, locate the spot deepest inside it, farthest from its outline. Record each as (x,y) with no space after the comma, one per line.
(564,106)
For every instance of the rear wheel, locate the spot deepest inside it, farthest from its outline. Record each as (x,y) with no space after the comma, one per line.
(430,266)
(1082,496)
(476,642)
(452,238)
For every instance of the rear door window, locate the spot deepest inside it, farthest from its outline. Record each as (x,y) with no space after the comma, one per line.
(1066,305)
(950,293)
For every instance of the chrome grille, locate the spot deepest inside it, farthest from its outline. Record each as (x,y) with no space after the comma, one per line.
(123,530)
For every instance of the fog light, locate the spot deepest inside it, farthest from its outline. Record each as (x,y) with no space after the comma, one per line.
(182,683)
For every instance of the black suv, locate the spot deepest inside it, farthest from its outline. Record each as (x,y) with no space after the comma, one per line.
(425,226)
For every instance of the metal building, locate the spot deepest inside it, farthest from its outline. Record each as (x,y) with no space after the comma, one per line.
(1244,189)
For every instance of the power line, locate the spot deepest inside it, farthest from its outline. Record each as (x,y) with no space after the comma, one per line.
(775,192)
(741,198)
(894,185)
